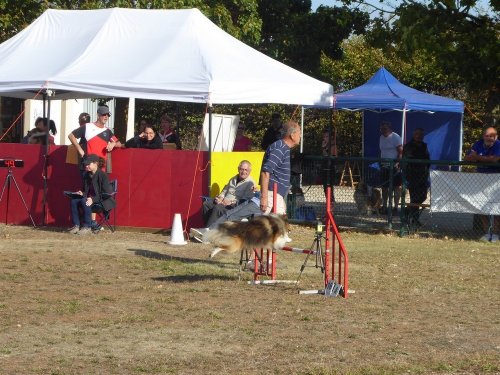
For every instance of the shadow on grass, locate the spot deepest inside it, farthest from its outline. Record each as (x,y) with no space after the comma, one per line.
(193,278)
(159,256)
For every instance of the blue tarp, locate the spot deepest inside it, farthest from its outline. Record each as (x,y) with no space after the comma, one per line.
(384,98)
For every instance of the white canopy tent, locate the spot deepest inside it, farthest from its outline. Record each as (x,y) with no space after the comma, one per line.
(174,55)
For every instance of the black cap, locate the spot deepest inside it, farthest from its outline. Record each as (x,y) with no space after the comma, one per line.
(92,158)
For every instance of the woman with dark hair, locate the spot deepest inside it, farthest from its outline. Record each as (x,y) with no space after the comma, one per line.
(147,139)
(96,190)
(47,126)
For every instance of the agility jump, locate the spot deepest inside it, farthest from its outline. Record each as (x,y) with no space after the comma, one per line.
(334,256)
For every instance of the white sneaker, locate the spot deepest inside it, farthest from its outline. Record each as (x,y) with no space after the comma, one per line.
(485,238)
(197,234)
(494,238)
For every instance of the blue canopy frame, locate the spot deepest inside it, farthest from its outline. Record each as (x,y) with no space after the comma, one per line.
(384,98)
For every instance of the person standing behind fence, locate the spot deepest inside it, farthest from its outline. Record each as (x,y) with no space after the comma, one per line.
(391,147)
(273,132)
(417,174)
(487,150)
(276,169)
(241,141)
(167,132)
(95,137)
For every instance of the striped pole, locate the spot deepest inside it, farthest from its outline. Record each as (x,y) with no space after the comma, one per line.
(297,250)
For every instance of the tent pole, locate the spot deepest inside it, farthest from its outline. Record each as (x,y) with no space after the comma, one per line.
(46,161)
(302,130)
(209,169)
(461,136)
(403,127)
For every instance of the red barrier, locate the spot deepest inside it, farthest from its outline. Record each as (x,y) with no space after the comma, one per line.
(153,185)
(343,260)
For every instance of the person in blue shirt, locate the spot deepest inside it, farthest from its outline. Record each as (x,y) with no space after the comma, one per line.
(487,150)
(276,169)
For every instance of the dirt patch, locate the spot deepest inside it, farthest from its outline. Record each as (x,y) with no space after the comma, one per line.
(128,303)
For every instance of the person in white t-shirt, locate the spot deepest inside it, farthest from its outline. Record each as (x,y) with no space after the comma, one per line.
(391,147)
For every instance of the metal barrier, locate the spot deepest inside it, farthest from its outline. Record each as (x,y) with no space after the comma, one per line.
(360,186)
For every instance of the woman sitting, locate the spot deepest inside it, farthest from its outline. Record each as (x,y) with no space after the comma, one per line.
(96,191)
(147,139)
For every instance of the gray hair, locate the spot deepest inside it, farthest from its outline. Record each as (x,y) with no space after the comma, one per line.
(245,162)
(290,128)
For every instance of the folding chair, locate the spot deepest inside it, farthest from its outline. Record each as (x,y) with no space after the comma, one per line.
(104,215)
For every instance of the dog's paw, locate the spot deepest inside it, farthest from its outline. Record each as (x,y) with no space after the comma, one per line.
(214,252)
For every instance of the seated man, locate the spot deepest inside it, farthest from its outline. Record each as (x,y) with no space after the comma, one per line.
(96,190)
(239,188)
(487,150)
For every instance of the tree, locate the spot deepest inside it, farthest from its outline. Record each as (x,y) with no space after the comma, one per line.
(294,35)
(239,18)
(462,40)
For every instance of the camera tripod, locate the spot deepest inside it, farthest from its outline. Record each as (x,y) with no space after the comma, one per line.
(6,184)
(317,249)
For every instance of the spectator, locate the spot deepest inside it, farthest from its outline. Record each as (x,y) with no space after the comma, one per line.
(416,174)
(148,138)
(245,210)
(487,150)
(95,185)
(242,142)
(37,137)
(276,169)
(239,187)
(273,132)
(44,126)
(167,132)
(391,147)
(83,118)
(95,137)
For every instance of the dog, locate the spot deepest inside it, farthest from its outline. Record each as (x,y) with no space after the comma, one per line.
(266,231)
(368,199)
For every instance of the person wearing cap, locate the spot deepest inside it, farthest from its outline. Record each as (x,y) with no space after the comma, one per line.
(95,137)
(95,187)
(242,142)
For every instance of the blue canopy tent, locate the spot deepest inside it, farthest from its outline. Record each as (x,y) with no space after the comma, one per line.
(384,98)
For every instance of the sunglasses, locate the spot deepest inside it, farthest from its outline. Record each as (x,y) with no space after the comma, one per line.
(106,114)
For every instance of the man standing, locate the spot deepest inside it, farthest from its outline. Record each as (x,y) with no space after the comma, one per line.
(95,137)
(391,147)
(276,169)
(417,174)
(239,187)
(487,150)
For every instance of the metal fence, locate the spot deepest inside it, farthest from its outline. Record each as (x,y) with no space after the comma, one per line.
(361,185)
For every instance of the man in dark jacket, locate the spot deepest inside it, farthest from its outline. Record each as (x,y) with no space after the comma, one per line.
(416,174)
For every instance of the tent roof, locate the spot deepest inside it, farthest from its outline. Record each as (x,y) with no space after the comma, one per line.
(177,55)
(384,92)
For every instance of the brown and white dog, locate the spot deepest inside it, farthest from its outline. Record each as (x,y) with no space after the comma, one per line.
(266,231)
(368,199)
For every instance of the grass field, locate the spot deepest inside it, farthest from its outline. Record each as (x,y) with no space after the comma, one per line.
(128,303)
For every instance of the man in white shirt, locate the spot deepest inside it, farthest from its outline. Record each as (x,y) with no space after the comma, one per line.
(391,147)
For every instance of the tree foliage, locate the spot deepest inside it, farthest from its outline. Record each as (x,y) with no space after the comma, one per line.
(297,37)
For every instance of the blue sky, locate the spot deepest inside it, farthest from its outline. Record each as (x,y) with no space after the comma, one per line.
(484,4)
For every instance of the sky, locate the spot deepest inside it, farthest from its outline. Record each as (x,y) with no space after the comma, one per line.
(483,4)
